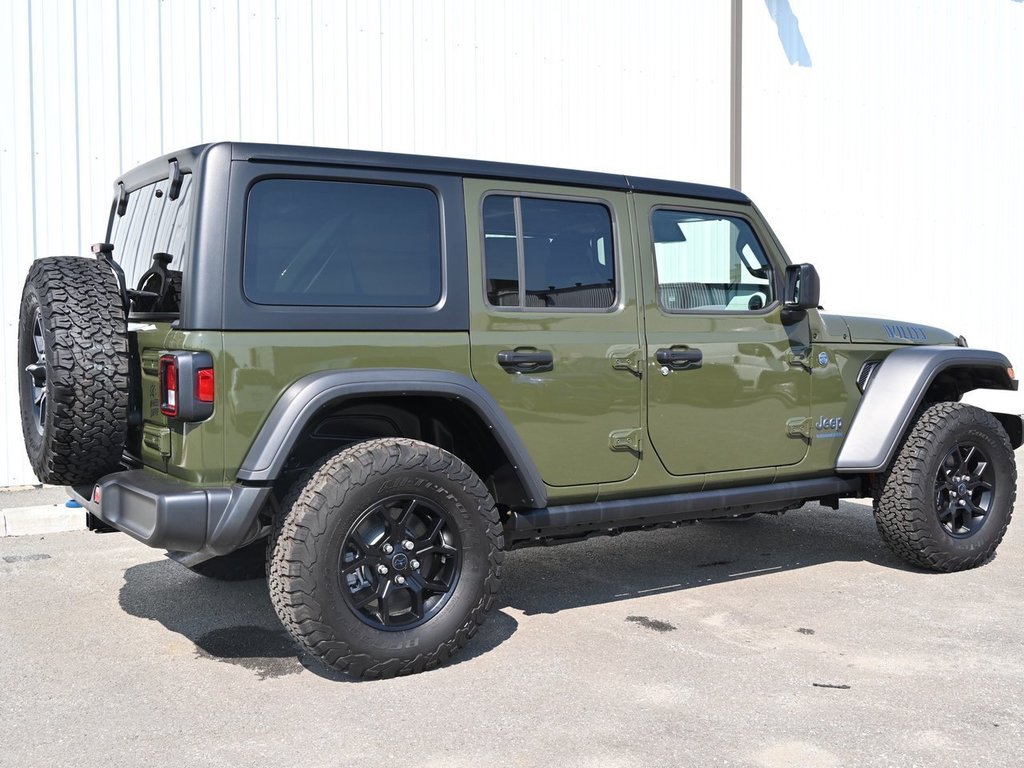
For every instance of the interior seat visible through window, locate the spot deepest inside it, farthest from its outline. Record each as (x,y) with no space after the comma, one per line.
(568,259)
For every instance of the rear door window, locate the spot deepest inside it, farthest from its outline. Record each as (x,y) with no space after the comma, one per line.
(547,253)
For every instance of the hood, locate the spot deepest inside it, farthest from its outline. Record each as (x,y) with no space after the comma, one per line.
(884,331)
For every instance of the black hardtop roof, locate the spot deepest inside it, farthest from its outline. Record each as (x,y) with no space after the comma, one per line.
(299,155)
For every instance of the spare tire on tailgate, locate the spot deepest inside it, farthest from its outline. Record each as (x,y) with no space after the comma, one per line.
(73,370)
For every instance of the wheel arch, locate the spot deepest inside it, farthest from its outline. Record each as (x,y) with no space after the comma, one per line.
(907,379)
(330,409)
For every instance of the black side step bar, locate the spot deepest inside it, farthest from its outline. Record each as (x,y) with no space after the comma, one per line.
(576,519)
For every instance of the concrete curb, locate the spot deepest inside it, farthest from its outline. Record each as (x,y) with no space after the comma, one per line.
(27,521)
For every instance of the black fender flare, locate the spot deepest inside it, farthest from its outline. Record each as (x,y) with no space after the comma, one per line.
(896,392)
(306,397)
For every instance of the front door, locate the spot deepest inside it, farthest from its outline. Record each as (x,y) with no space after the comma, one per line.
(555,324)
(728,383)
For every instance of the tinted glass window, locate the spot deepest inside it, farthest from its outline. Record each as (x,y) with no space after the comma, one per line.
(332,243)
(501,257)
(153,223)
(567,255)
(709,262)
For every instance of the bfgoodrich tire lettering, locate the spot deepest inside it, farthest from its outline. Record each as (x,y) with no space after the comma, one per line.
(392,517)
(948,497)
(72,370)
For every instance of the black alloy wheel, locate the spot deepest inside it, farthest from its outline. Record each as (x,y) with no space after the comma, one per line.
(34,385)
(400,562)
(964,490)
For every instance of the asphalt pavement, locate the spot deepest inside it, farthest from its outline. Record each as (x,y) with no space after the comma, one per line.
(781,641)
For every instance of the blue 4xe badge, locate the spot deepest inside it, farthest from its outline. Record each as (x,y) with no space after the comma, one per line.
(823,358)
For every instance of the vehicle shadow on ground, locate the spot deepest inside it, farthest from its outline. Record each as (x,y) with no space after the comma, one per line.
(234,622)
(609,569)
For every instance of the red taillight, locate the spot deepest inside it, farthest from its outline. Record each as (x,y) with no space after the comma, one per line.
(204,385)
(187,385)
(168,385)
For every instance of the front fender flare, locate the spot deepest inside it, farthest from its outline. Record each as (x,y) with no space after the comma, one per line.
(305,398)
(896,392)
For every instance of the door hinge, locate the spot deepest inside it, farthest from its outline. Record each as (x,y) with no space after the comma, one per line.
(625,440)
(157,439)
(630,361)
(151,362)
(800,427)
(802,360)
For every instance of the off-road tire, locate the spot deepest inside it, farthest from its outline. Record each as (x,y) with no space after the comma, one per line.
(907,509)
(72,327)
(306,557)
(245,564)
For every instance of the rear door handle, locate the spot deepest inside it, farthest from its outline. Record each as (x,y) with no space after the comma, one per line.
(526,360)
(680,359)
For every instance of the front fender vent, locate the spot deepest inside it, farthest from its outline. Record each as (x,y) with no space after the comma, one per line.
(867,373)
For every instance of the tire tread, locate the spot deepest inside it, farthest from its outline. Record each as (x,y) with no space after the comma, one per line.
(903,504)
(305,514)
(87,362)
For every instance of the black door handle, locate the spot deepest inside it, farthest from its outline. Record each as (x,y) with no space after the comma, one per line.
(680,359)
(531,360)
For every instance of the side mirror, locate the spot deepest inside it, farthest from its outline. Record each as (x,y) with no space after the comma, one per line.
(802,287)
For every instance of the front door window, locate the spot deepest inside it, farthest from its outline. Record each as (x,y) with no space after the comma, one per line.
(709,262)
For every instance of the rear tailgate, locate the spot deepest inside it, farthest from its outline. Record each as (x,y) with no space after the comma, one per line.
(190,450)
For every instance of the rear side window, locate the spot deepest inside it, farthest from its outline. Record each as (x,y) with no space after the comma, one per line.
(153,223)
(546,253)
(342,244)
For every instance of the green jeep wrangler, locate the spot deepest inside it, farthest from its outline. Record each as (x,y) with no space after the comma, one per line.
(373,374)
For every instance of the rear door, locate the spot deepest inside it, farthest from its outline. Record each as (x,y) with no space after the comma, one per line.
(555,325)
(730,384)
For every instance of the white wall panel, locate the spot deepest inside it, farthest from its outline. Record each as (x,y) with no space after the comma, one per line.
(893,162)
(428,73)
(258,80)
(330,74)
(397,55)
(17,215)
(219,47)
(494,106)
(139,41)
(99,125)
(55,126)
(296,99)
(181,68)
(364,75)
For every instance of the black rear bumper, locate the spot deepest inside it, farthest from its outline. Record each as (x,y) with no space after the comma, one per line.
(166,513)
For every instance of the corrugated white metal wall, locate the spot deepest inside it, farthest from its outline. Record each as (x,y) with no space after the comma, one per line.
(890,162)
(894,162)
